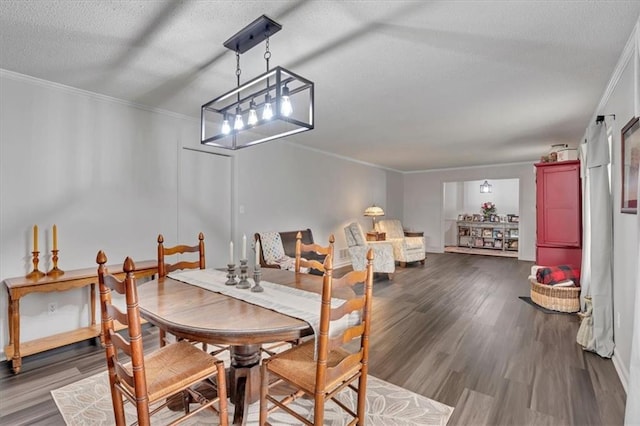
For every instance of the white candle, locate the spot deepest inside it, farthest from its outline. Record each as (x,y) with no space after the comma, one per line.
(230,252)
(244,247)
(257,253)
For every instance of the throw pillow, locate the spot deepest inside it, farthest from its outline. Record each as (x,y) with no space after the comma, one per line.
(272,248)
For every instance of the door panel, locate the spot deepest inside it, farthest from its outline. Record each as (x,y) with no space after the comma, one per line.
(204,203)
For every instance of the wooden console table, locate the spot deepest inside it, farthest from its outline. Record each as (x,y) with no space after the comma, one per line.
(21,286)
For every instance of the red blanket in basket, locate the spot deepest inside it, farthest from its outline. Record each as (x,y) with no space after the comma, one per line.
(555,274)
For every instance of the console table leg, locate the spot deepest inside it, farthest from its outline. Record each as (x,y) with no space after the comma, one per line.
(16,359)
(93,304)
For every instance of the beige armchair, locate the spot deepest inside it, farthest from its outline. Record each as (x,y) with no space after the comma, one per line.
(405,249)
(382,251)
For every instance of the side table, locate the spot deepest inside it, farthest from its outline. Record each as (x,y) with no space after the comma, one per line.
(376,236)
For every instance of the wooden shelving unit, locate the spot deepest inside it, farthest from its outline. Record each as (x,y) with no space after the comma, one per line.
(489,235)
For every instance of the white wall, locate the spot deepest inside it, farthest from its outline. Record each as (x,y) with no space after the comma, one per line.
(106,173)
(285,187)
(424,201)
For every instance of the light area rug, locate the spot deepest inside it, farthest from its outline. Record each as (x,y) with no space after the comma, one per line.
(88,402)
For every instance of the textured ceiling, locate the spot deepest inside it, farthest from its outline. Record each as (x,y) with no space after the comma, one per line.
(407,85)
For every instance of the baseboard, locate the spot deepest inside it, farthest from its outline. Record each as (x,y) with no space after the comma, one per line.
(623,374)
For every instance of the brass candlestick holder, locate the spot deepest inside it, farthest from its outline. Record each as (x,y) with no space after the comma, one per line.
(36,273)
(55,271)
(244,282)
(257,273)
(231,274)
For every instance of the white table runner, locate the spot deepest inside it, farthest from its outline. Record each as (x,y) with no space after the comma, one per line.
(301,304)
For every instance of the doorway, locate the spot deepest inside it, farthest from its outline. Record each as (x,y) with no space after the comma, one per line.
(463,199)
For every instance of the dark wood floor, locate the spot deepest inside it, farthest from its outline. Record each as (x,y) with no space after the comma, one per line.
(453,330)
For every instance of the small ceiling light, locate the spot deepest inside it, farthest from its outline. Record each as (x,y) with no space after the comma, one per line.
(253,115)
(286,107)
(226,128)
(239,123)
(267,112)
(485,188)
(281,89)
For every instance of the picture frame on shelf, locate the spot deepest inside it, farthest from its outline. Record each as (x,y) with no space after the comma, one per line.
(478,218)
(461,217)
(630,137)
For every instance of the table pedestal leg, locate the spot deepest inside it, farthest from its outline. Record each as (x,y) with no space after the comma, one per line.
(244,380)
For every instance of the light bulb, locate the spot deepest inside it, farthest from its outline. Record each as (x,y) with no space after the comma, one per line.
(286,109)
(226,128)
(267,112)
(253,116)
(238,124)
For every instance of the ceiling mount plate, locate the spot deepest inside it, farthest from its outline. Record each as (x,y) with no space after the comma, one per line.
(252,34)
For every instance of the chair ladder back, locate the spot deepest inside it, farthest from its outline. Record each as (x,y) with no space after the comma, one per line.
(132,345)
(301,247)
(164,268)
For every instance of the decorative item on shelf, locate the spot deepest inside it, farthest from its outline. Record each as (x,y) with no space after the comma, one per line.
(488,208)
(373,212)
(286,99)
(36,273)
(55,271)
(486,188)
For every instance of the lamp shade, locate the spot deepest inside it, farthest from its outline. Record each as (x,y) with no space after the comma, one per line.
(374,211)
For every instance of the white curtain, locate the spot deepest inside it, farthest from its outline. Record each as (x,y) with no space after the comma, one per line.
(597,244)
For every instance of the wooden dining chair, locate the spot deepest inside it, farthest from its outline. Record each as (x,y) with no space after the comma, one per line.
(301,248)
(149,380)
(164,268)
(336,365)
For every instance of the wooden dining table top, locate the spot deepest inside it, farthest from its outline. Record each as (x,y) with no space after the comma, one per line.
(193,312)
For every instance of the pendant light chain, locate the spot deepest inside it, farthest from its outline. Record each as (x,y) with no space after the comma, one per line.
(267,53)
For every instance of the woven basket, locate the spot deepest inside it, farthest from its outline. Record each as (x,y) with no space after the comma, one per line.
(561,299)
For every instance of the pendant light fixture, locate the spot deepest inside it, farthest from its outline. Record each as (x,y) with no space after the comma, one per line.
(485,188)
(272,105)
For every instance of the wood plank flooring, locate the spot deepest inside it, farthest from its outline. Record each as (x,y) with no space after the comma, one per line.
(453,330)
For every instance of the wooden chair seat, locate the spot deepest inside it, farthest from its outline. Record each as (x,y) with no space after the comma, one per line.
(161,368)
(299,367)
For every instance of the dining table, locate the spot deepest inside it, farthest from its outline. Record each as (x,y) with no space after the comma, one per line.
(195,313)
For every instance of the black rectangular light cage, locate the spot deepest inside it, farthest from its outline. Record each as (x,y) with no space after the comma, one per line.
(255,94)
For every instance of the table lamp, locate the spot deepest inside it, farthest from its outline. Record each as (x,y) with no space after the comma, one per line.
(373,212)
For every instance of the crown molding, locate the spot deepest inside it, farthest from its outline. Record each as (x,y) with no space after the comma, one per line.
(12,75)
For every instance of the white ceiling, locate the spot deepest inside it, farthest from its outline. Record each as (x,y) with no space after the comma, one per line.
(407,85)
